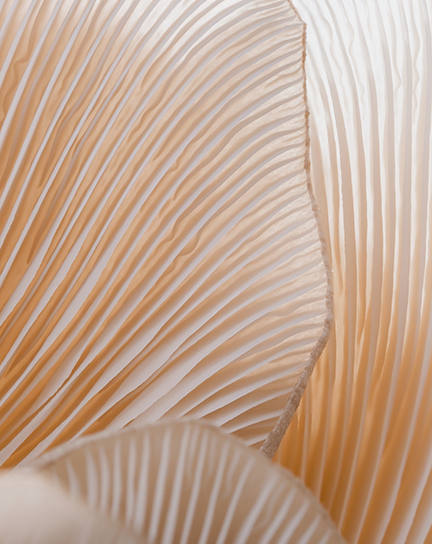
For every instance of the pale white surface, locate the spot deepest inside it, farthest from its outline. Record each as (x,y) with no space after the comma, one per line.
(35,510)
(188,483)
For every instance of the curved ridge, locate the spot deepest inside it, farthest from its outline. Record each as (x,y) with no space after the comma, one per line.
(187,482)
(159,253)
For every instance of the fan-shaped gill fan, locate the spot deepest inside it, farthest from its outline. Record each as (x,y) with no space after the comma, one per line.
(159,251)
(362,438)
(186,482)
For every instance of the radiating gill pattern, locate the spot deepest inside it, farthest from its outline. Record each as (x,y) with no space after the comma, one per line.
(186,482)
(362,438)
(159,251)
